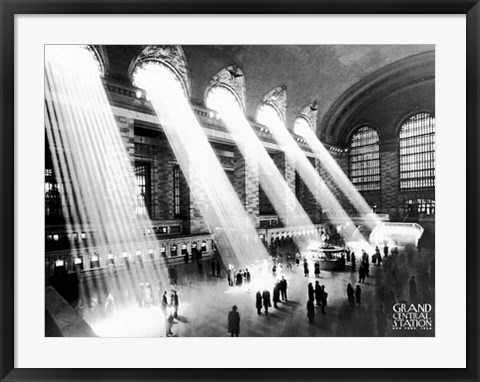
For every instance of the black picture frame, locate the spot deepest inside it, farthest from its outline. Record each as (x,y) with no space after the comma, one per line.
(10,8)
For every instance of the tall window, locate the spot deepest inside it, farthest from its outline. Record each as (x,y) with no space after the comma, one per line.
(417,153)
(269,116)
(176,190)
(414,207)
(53,203)
(142,188)
(364,159)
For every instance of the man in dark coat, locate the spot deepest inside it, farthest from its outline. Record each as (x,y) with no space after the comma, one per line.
(212,266)
(164,303)
(305,268)
(361,273)
(217,268)
(311,292)
(258,303)
(239,278)
(276,295)
(318,293)
(351,295)
(234,322)
(354,264)
(385,250)
(266,300)
(174,302)
(283,288)
(316,270)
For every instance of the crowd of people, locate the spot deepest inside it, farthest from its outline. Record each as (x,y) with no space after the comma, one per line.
(238,278)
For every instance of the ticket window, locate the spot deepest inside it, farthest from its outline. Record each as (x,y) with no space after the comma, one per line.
(110,259)
(60,268)
(78,264)
(173,250)
(95,261)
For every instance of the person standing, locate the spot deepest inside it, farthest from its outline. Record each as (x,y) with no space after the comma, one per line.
(310,311)
(358,296)
(354,264)
(385,251)
(311,292)
(247,276)
(239,278)
(283,288)
(175,304)
(318,293)
(317,270)
(258,303)
(351,295)
(361,273)
(276,295)
(164,304)
(324,296)
(266,300)
(305,268)
(234,322)
(217,268)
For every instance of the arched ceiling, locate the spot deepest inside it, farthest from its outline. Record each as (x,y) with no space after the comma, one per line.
(321,72)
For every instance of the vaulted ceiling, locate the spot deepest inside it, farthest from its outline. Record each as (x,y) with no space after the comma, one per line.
(326,73)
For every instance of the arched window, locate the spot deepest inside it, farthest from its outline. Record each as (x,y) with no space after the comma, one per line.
(417,153)
(364,159)
(222,99)
(302,127)
(269,116)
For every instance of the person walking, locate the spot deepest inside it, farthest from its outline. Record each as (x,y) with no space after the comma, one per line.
(317,270)
(318,293)
(258,303)
(324,296)
(310,311)
(234,322)
(351,295)
(354,263)
(358,296)
(266,300)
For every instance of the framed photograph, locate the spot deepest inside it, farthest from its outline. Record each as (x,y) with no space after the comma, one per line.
(235,190)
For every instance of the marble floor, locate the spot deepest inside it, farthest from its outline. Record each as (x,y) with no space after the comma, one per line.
(205,302)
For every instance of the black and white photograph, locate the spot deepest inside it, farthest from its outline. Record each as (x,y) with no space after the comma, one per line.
(239,191)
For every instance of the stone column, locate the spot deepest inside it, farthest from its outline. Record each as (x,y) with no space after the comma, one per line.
(389,176)
(246,183)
